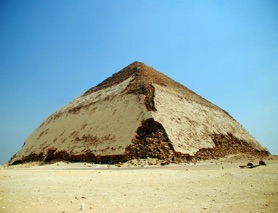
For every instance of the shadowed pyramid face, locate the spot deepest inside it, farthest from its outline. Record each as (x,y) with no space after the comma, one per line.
(137,113)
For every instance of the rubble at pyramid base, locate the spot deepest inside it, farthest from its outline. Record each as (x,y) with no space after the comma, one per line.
(176,157)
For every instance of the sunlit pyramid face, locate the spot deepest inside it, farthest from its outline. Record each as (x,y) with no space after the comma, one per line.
(137,113)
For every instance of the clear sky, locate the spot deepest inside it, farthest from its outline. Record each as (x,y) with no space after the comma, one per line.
(51,51)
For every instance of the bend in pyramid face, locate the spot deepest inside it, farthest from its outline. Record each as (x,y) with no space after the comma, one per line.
(137,113)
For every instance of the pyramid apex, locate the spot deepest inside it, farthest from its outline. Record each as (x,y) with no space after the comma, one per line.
(136,66)
(137,63)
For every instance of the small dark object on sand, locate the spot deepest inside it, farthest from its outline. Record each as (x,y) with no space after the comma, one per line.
(262,163)
(250,165)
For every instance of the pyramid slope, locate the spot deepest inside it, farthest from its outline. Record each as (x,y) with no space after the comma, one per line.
(144,78)
(137,113)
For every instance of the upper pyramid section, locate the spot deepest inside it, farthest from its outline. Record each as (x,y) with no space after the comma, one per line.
(137,113)
(143,79)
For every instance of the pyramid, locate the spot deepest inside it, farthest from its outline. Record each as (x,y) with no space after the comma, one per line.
(138,112)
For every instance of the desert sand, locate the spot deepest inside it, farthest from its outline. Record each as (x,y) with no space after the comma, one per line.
(208,186)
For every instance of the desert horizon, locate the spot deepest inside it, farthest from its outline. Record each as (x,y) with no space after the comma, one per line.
(138,106)
(141,186)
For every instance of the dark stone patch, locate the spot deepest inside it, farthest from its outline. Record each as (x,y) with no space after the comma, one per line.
(152,141)
(226,144)
(54,156)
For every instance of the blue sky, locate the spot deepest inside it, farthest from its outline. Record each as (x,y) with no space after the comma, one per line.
(54,50)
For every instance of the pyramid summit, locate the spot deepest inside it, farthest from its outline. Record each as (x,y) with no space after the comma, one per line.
(138,112)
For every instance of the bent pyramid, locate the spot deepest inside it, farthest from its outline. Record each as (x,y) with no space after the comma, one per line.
(137,113)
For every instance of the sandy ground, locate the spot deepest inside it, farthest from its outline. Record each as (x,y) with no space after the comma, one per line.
(203,187)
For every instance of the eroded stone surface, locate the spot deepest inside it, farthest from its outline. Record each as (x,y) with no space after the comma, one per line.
(137,113)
